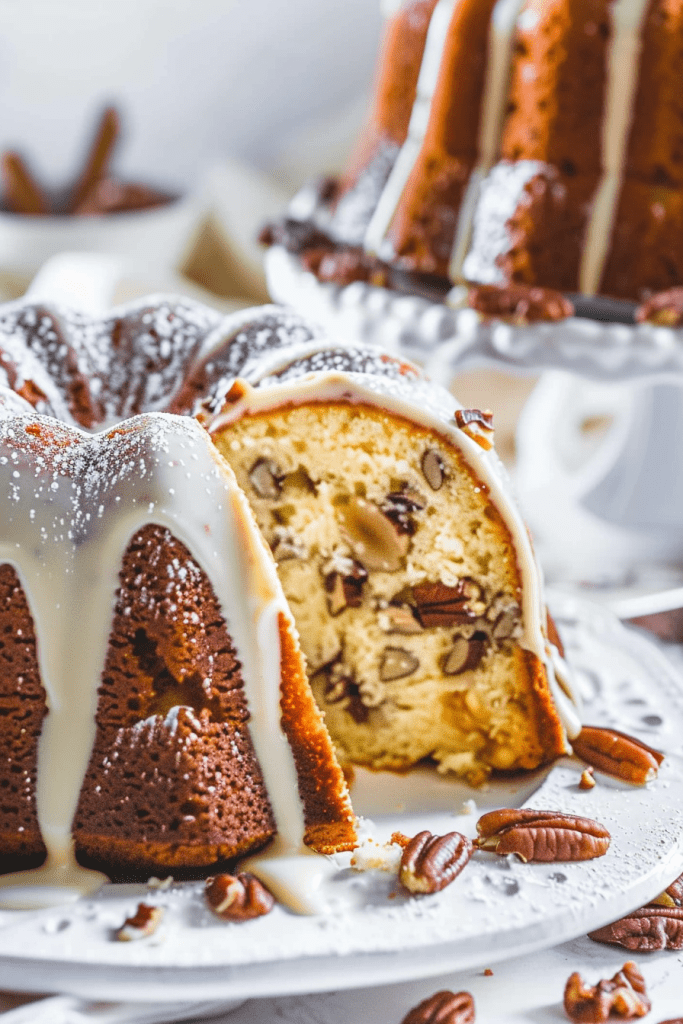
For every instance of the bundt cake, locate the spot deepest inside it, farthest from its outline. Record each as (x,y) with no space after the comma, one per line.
(409,573)
(145,640)
(525,141)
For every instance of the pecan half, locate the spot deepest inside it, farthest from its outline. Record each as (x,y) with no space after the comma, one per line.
(476,424)
(144,922)
(543,836)
(622,996)
(443,1008)
(650,928)
(430,863)
(238,897)
(618,754)
(439,605)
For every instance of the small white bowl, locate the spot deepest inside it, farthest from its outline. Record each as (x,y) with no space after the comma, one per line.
(157,238)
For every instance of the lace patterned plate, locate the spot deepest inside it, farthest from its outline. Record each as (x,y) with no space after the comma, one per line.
(447,340)
(498,907)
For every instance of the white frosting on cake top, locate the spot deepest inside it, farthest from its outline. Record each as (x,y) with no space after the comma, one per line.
(74,502)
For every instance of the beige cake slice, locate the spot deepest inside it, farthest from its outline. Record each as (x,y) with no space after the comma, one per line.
(408,570)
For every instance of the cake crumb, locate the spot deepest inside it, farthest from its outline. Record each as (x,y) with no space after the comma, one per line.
(374,856)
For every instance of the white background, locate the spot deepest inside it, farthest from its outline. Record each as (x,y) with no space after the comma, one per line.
(195,79)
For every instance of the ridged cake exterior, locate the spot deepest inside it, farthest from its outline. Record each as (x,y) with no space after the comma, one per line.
(121,551)
(529,141)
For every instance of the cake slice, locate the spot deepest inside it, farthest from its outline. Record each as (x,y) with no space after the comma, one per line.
(408,570)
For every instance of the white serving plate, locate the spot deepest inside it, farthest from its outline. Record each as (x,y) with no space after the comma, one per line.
(497,909)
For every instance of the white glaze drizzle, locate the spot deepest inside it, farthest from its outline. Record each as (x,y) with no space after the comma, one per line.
(437,36)
(67,526)
(501,32)
(422,402)
(622,76)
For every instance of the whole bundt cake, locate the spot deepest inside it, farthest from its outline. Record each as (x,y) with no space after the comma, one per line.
(144,636)
(141,609)
(535,142)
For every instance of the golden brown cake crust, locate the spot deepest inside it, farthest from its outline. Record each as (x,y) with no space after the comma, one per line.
(423,229)
(327,810)
(22,708)
(396,84)
(567,58)
(555,102)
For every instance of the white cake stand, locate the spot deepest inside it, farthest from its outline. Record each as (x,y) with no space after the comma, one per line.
(600,441)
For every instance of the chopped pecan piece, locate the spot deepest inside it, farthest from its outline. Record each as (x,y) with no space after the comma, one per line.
(622,996)
(650,928)
(238,897)
(144,922)
(433,469)
(372,536)
(338,687)
(430,863)
(401,620)
(439,605)
(618,754)
(443,1008)
(266,478)
(286,546)
(587,780)
(541,835)
(519,303)
(665,309)
(476,424)
(465,654)
(399,506)
(345,588)
(397,663)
